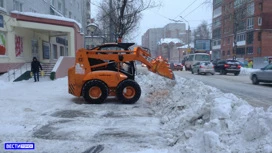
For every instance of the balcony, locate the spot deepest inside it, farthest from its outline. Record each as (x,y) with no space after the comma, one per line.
(241,43)
(216,47)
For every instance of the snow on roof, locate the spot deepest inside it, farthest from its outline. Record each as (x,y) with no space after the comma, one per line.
(47,16)
(93,24)
(169,40)
(192,45)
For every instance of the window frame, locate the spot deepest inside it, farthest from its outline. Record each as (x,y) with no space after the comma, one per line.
(2,3)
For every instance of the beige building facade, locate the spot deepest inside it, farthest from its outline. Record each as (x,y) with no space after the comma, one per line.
(24,36)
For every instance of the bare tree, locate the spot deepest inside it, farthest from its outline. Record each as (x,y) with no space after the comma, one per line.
(121,17)
(202,31)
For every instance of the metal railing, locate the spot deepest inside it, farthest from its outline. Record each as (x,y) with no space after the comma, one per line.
(12,74)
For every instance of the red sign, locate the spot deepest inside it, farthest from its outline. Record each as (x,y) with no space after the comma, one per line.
(18,45)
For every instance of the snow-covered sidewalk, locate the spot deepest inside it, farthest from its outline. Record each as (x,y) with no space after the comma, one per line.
(182,116)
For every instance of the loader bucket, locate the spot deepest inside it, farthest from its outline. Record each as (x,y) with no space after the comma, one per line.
(162,68)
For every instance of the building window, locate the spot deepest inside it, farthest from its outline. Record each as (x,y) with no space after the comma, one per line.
(259,50)
(217,23)
(241,26)
(261,6)
(249,50)
(17,6)
(217,12)
(66,51)
(250,9)
(217,2)
(238,3)
(59,6)
(216,33)
(240,37)
(250,23)
(2,3)
(70,14)
(223,53)
(52,2)
(228,53)
(259,36)
(249,37)
(260,21)
(55,51)
(61,51)
(240,51)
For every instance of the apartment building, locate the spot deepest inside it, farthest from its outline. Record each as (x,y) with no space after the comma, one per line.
(151,38)
(46,29)
(166,39)
(242,29)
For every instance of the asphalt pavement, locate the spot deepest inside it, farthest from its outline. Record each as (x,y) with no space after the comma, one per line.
(241,86)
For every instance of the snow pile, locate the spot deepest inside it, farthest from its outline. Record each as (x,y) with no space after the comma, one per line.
(247,71)
(199,118)
(3,84)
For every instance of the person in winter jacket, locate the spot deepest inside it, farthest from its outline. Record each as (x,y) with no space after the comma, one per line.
(35,68)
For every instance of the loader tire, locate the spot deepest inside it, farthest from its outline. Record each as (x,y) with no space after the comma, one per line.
(128,92)
(95,92)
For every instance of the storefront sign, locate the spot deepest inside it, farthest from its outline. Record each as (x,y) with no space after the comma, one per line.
(18,45)
(2,44)
(61,41)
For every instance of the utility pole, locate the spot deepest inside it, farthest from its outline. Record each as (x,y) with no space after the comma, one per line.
(188,35)
(235,37)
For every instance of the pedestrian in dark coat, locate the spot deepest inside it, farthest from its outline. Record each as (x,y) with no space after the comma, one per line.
(35,68)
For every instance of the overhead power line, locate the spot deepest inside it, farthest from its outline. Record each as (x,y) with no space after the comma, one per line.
(186,8)
(194,9)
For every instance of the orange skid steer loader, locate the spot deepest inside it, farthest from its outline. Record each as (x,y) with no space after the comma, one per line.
(109,70)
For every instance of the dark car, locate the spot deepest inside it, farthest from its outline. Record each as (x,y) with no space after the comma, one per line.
(178,67)
(227,66)
(262,75)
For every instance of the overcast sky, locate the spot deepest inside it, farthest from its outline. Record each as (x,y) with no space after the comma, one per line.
(194,11)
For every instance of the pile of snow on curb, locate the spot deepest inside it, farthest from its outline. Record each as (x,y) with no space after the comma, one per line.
(199,118)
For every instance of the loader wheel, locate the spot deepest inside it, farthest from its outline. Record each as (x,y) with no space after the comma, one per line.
(128,92)
(95,92)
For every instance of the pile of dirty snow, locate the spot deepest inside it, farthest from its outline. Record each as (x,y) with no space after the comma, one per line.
(199,118)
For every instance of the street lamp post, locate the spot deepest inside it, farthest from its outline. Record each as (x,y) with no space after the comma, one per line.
(188,35)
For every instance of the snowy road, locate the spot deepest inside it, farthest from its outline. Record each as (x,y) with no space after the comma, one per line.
(241,86)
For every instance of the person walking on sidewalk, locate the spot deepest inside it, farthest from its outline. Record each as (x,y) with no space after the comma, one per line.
(35,68)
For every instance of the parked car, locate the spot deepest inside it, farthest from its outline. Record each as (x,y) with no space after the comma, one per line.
(227,66)
(178,67)
(262,75)
(191,59)
(203,68)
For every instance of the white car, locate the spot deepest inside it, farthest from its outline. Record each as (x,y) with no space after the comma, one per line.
(203,68)
(262,75)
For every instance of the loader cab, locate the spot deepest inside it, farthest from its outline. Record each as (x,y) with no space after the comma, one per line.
(121,46)
(127,67)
